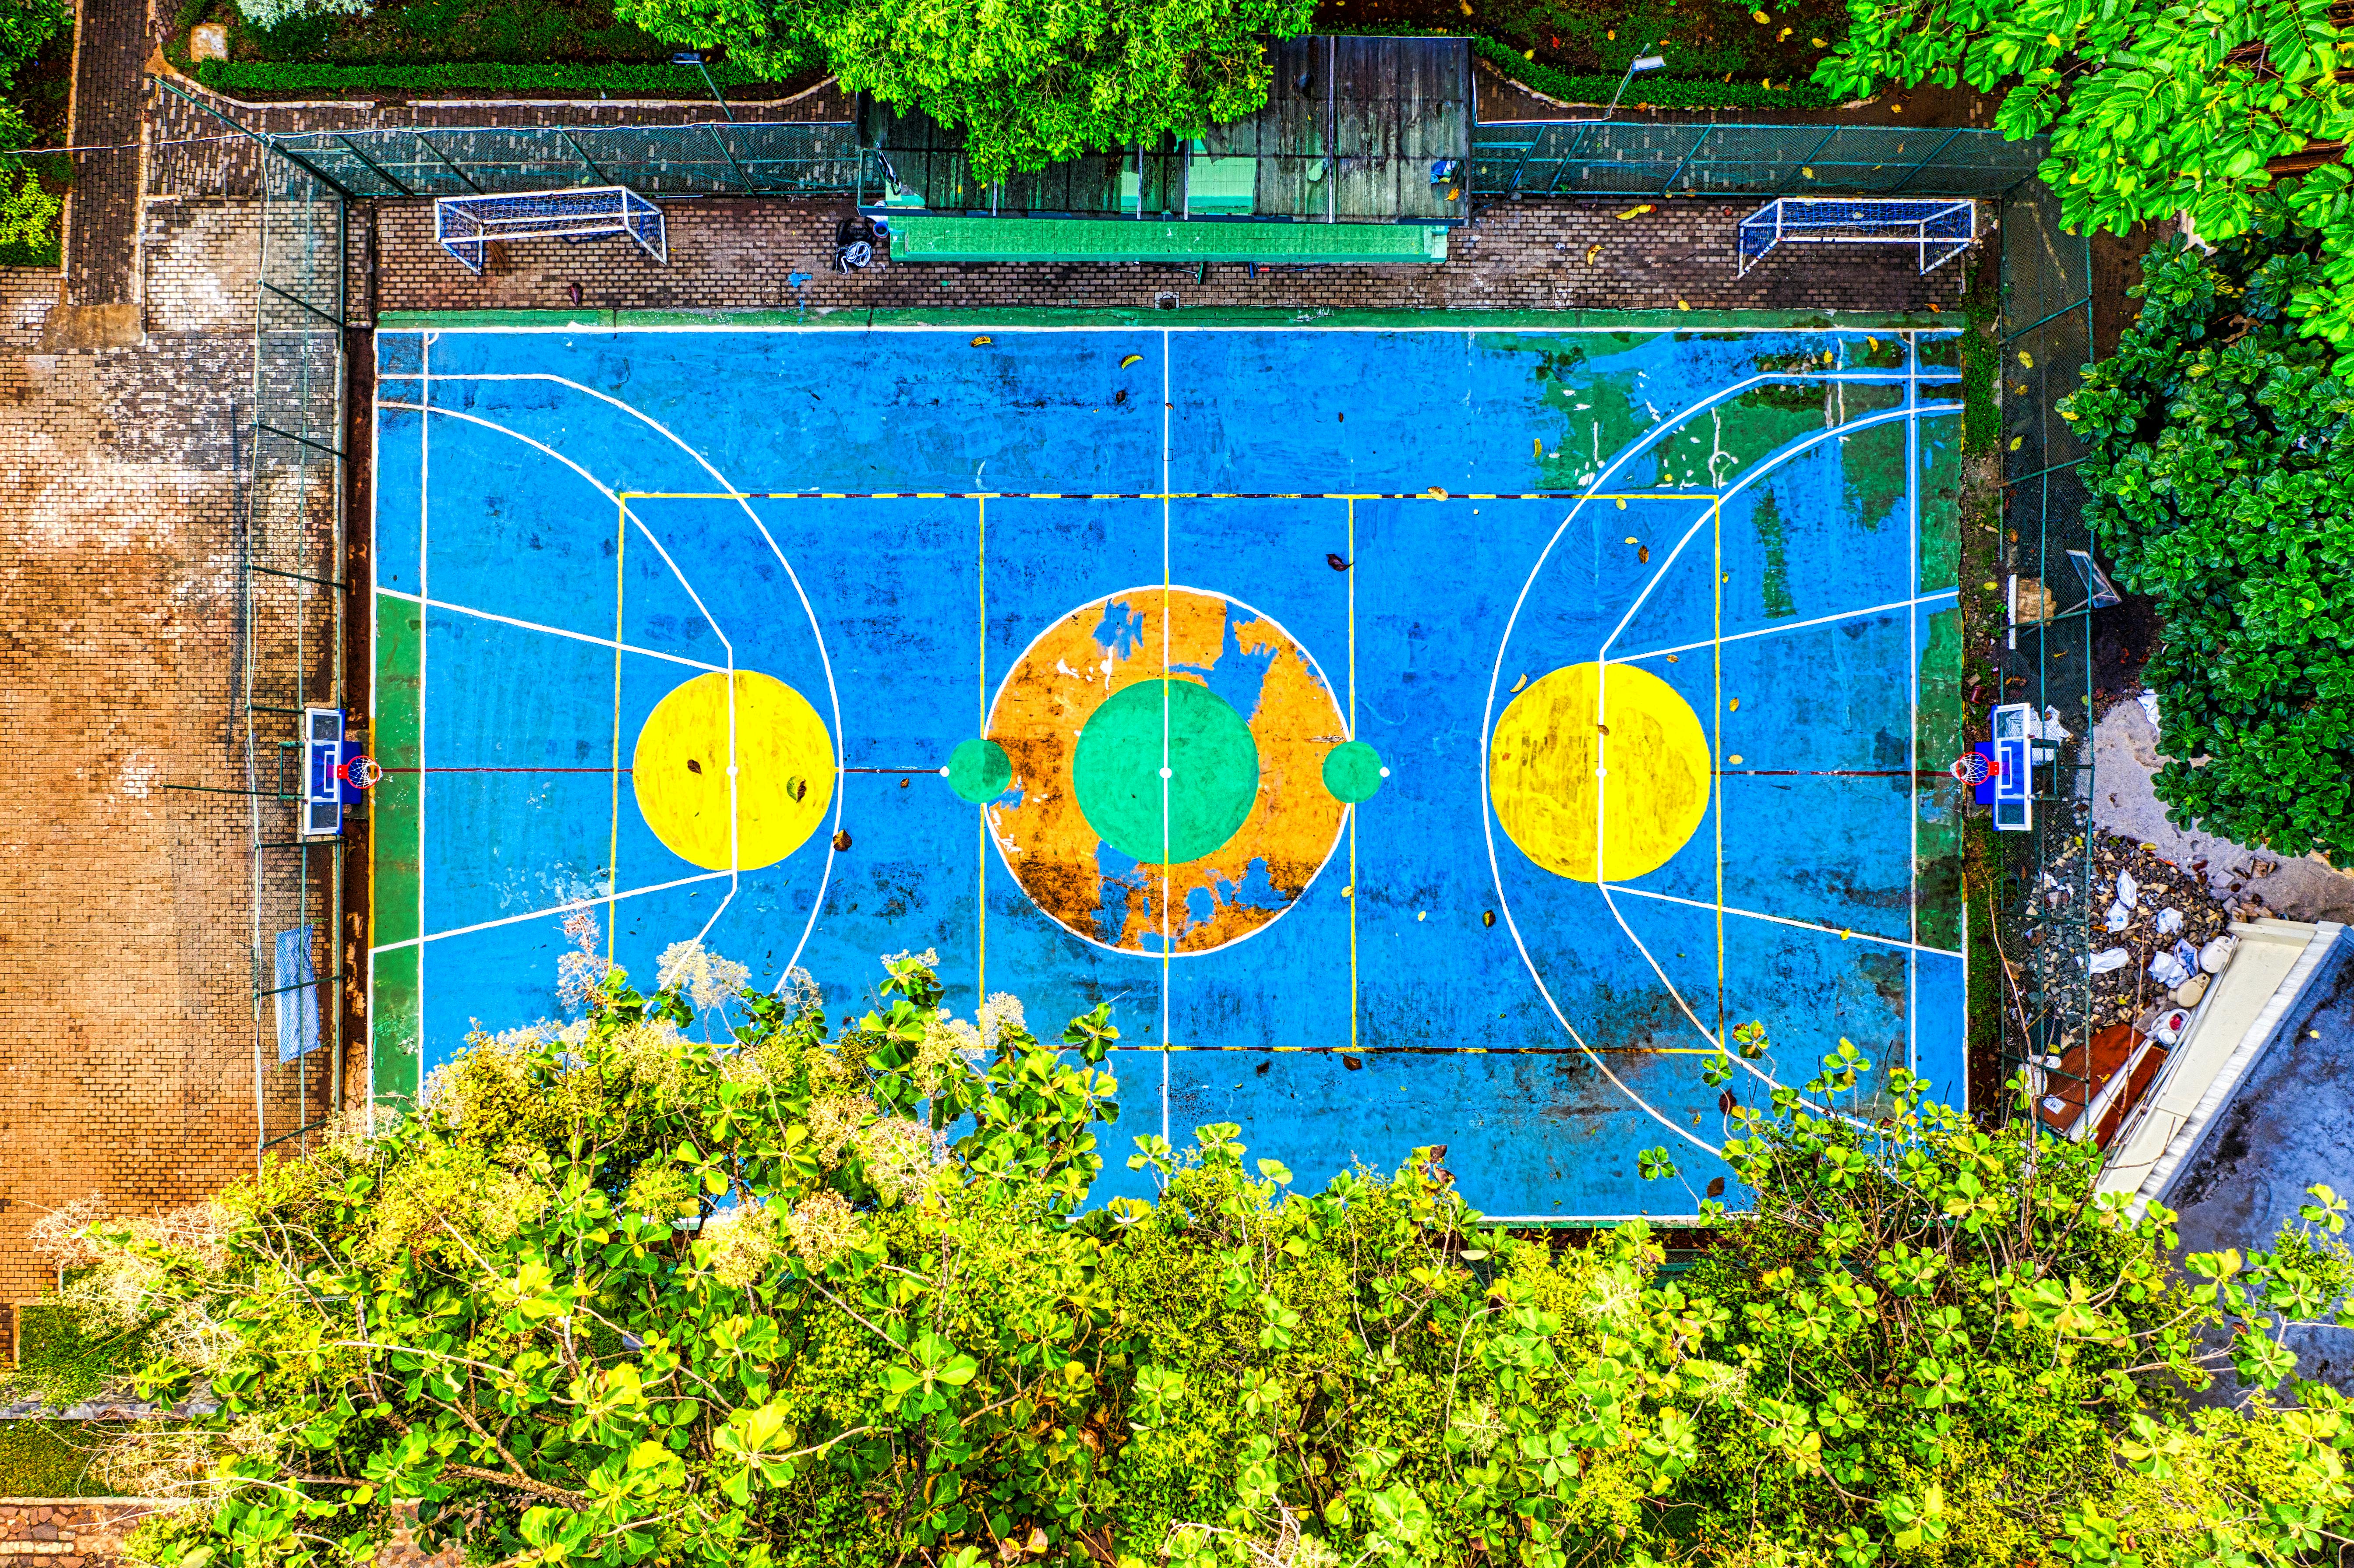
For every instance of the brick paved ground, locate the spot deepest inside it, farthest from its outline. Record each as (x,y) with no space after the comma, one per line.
(731,253)
(124,1004)
(110,42)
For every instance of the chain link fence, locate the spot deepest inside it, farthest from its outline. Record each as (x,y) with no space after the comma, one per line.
(1645,157)
(294,602)
(2045,657)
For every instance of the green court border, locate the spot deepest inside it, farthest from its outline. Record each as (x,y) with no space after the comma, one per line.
(858,319)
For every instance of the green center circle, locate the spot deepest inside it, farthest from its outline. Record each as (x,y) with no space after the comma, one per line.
(1213,764)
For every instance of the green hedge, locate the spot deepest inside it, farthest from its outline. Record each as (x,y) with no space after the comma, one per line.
(268,76)
(1660,93)
(49,1459)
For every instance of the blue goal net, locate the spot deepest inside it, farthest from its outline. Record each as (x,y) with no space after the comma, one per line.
(1936,229)
(466,225)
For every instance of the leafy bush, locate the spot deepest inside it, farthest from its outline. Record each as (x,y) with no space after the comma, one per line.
(1667,93)
(2153,108)
(544,80)
(2221,474)
(29,213)
(782,1296)
(276,12)
(49,1459)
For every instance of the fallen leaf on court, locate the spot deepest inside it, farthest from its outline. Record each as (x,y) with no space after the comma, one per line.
(1435,493)
(1337,563)
(2015,441)
(1808,173)
(1845,935)
(1734,705)
(1682,306)
(1600,726)
(1671,658)
(1716,1186)
(798,789)
(1351,1062)
(1486,916)
(1622,503)
(983,341)
(1454,191)
(1538,455)
(692,766)
(1632,540)
(1643,554)
(2027,359)
(1634,211)
(1725,1102)
(1131,359)
(1734,759)
(1936,309)
(1872,343)
(1591,252)
(1522,682)
(841,839)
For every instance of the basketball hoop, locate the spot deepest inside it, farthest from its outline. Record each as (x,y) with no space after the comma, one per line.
(359,772)
(1974,768)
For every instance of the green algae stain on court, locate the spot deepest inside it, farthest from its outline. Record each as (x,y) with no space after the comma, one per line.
(1937,864)
(1586,413)
(396,1007)
(1941,512)
(1873,462)
(1773,537)
(1212,771)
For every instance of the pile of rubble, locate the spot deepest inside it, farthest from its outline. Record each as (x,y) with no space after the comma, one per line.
(2160,932)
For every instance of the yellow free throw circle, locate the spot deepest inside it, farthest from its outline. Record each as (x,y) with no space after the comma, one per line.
(784,771)
(1550,759)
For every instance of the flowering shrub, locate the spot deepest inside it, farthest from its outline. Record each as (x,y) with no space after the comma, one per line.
(734,1287)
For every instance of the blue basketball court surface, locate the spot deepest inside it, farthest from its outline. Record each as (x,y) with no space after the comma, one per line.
(1420,734)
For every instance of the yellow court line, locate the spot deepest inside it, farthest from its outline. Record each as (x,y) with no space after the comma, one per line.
(613,853)
(1716,534)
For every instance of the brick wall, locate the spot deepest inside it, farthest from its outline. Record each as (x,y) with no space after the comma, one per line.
(732,253)
(48,1533)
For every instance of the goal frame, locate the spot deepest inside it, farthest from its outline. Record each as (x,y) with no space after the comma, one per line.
(1938,228)
(466,225)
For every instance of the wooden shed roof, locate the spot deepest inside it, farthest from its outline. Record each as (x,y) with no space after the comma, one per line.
(1355,129)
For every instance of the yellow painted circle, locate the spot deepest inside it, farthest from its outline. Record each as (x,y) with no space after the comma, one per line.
(784,771)
(1550,751)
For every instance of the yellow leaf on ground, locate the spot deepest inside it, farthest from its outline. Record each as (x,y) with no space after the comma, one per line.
(1591,252)
(1539,454)
(1682,306)
(1735,704)
(1808,173)
(1635,211)
(2027,359)
(1131,359)
(1783,33)
(981,342)
(1528,53)
(1632,540)
(1435,493)
(1819,43)
(2015,441)
(1760,18)
(1734,759)
(1622,503)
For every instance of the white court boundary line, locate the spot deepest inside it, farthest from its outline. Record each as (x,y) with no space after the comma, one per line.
(1666,429)
(425,603)
(1780,627)
(1820,931)
(1286,323)
(1779,457)
(564,908)
(615,894)
(817,632)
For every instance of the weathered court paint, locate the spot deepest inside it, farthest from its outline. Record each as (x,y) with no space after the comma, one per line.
(1324,561)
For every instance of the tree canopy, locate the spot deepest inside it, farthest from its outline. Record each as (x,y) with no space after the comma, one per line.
(696,1279)
(2221,481)
(2154,108)
(1030,81)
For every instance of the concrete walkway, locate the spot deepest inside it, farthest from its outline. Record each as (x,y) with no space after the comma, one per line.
(2126,758)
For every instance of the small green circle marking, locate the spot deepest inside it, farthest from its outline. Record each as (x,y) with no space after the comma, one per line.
(1198,799)
(1354,772)
(978,770)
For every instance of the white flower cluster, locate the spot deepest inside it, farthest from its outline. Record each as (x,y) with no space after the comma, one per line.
(268,14)
(710,979)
